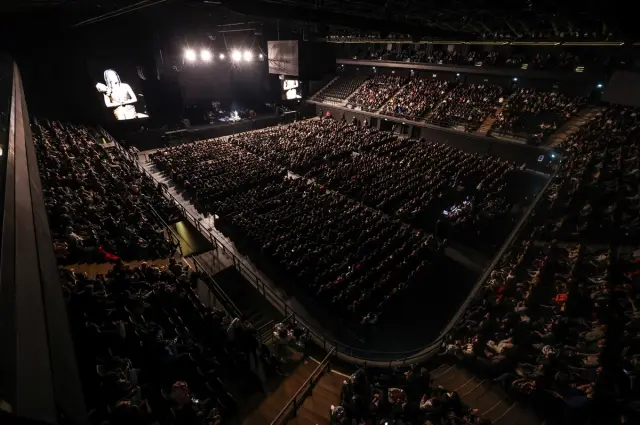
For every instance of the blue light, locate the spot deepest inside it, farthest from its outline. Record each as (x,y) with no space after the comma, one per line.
(599,85)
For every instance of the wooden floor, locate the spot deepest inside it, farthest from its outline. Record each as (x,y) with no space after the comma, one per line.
(263,410)
(259,409)
(316,407)
(480,394)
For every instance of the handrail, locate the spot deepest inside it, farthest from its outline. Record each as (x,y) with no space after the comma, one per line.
(210,282)
(263,331)
(282,417)
(346,352)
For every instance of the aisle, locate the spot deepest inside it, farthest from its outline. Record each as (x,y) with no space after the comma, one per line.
(262,410)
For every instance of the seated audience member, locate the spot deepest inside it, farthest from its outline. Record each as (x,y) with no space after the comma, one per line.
(101,207)
(536,113)
(375,92)
(417,98)
(555,322)
(468,105)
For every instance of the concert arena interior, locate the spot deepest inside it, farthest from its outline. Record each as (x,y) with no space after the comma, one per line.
(270,212)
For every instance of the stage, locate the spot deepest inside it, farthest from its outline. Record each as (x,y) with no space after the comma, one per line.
(154,139)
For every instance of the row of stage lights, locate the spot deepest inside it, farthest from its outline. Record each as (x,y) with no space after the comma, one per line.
(190,55)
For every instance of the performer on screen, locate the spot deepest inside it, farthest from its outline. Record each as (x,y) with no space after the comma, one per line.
(120,96)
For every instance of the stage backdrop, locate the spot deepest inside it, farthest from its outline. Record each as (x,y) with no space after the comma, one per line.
(117,85)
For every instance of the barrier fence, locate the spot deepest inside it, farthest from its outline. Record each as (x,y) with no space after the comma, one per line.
(218,296)
(343,351)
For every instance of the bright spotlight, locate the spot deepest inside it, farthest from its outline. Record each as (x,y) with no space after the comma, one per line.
(206,55)
(260,56)
(515,78)
(248,56)
(236,55)
(221,56)
(599,85)
(190,55)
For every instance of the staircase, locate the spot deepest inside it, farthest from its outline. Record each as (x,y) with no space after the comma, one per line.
(253,306)
(261,410)
(346,101)
(480,394)
(574,124)
(316,407)
(325,87)
(486,125)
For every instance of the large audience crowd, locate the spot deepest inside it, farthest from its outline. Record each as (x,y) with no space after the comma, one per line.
(346,212)
(99,206)
(350,230)
(375,92)
(418,98)
(557,323)
(467,105)
(376,397)
(533,113)
(149,351)
(425,184)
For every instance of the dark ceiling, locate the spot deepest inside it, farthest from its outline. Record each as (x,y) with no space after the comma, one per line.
(451,19)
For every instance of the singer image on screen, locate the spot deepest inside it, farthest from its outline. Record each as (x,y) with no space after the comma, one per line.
(119,96)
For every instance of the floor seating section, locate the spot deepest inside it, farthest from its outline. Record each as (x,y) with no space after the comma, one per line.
(354,233)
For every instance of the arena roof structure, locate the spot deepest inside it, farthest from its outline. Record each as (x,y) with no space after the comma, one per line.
(484,20)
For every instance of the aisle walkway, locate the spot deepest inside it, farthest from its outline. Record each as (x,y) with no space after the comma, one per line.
(316,407)
(262,410)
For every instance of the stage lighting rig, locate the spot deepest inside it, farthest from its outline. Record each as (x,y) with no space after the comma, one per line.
(190,55)
(205,55)
(248,55)
(236,56)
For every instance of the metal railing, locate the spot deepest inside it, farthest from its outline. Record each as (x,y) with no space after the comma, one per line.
(291,408)
(344,351)
(214,289)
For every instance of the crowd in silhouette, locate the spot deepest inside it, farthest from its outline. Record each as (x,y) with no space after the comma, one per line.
(100,206)
(423,183)
(557,322)
(369,397)
(533,113)
(467,105)
(418,98)
(149,351)
(342,210)
(375,92)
